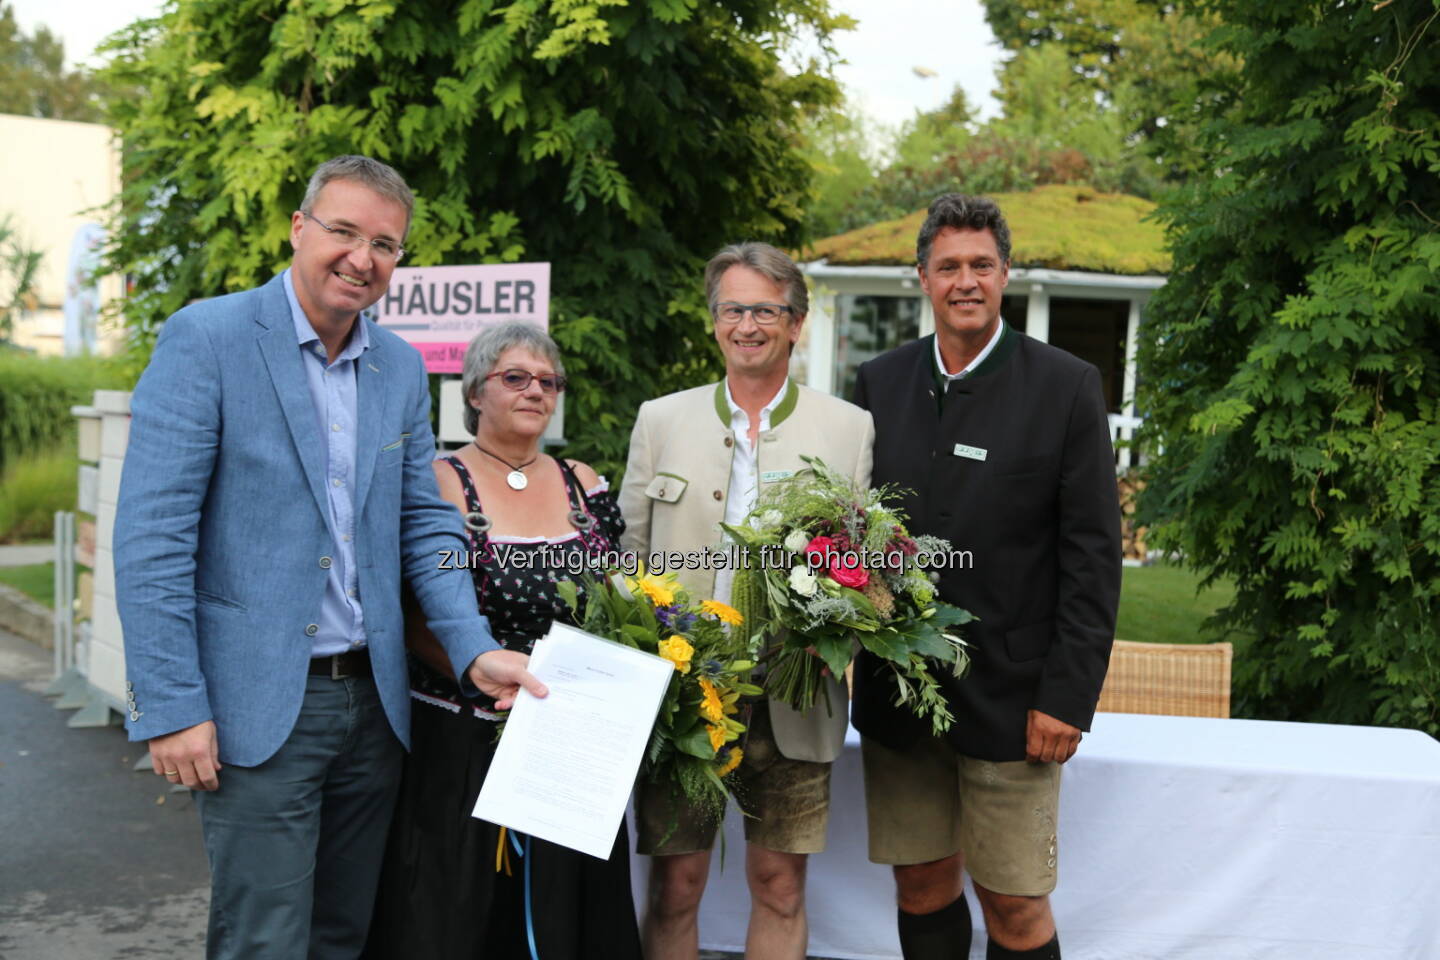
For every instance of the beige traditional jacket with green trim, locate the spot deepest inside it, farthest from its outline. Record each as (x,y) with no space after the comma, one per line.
(678,478)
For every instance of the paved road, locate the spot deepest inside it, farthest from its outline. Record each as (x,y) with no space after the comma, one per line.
(96,861)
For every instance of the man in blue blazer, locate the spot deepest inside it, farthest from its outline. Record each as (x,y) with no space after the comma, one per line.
(276,491)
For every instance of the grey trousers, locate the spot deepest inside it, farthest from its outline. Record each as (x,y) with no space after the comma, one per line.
(295,844)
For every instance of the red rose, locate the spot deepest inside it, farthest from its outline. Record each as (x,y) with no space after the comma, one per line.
(847,572)
(819,552)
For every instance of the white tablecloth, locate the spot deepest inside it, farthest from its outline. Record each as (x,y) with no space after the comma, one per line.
(1185,839)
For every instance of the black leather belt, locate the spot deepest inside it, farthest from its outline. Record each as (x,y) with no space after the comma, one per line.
(353,663)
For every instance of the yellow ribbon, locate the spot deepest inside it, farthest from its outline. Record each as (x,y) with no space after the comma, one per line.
(502,855)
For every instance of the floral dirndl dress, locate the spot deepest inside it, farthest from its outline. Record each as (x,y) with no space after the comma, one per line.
(452,886)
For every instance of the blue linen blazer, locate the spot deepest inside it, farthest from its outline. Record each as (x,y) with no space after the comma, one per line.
(222,540)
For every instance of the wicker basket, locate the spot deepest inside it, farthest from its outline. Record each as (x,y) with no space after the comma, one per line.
(1182,680)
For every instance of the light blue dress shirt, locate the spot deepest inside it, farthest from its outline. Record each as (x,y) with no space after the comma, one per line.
(332,390)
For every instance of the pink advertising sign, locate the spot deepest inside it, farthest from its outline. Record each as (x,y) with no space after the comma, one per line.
(438,309)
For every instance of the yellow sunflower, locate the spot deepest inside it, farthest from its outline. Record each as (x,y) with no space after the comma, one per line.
(678,651)
(660,592)
(717,735)
(722,612)
(711,706)
(731,762)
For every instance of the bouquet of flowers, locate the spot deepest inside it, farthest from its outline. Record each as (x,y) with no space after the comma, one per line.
(825,564)
(694,742)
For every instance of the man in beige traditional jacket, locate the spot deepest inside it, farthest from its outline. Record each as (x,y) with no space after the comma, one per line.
(698,457)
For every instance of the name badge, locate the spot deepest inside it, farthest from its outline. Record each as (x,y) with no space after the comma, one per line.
(969,452)
(770,476)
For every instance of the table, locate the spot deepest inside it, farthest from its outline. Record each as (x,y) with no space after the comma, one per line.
(1181,838)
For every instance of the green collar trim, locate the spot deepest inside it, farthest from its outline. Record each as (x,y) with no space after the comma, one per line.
(783,409)
(786,406)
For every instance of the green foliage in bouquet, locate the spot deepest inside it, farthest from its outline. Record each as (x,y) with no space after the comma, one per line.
(826,565)
(694,745)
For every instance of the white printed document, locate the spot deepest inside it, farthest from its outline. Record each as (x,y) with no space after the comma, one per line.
(566,763)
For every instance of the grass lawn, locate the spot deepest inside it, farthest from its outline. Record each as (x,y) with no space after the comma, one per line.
(37,581)
(1158,605)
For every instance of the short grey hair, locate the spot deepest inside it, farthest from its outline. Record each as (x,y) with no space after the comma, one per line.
(380,177)
(768,261)
(961,212)
(484,352)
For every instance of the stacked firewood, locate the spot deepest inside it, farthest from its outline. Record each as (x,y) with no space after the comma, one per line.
(1132,537)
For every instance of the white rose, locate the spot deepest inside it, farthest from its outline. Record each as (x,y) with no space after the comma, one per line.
(797,541)
(802,581)
(771,518)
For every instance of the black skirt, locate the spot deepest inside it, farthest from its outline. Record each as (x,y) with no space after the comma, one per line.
(440,895)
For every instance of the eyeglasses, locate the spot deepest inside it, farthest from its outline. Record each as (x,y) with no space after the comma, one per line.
(388,249)
(764,313)
(519,380)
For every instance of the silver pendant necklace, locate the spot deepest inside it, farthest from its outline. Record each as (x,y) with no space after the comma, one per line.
(516,478)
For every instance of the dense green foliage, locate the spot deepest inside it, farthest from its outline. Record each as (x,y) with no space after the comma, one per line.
(34,80)
(36,394)
(32,487)
(624,143)
(1291,366)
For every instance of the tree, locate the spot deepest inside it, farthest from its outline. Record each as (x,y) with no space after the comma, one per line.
(841,146)
(1082,100)
(990,161)
(34,81)
(622,143)
(19,265)
(1102,92)
(1291,365)
(1054,129)
(931,135)
(1045,102)
(1145,60)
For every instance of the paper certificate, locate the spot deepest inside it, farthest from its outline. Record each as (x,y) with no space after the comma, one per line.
(565,766)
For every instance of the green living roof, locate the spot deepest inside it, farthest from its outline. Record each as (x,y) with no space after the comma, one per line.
(1062,227)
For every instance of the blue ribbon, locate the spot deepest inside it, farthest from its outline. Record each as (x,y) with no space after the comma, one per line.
(524,854)
(529,916)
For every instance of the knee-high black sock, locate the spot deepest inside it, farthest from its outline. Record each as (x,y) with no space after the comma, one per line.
(1050,951)
(942,935)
